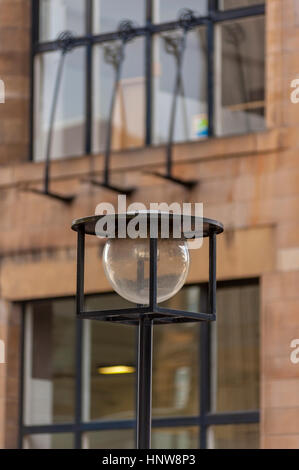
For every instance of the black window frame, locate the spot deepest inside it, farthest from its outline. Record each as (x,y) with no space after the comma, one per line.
(148,31)
(202,421)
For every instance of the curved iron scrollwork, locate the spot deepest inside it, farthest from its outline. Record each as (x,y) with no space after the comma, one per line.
(127,30)
(187,19)
(66,41)
(114,54)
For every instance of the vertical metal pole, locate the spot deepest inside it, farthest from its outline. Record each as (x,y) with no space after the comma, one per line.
(21,377)
(212,273)
(88,80)
(80,271)
(34,41)
(79,309)
(145,360)
(204,373)
(144,400)
(148,72)
(210,77)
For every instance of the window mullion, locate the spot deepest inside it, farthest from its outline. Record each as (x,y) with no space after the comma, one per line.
(210,76)
(88,80)
(148,73)
(213,5)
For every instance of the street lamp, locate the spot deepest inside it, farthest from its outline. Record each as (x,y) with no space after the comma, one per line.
(146,271)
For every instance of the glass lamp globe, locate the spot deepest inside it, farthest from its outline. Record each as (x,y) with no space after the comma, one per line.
(126,263)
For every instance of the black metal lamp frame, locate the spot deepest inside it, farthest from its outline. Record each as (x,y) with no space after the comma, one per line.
(145,316)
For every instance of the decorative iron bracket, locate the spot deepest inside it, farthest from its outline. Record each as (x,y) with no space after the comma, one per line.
(65,43)
(175,44)
(114,54)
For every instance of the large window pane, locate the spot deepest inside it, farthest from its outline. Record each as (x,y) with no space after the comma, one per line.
(60,15)
(240,76)
(129,114)
(50,363)
(230,4)
(116,439)
(108,13)
(68,135)
(175,364)
(235,350)
(191,114)
(234,436)
(175,438)
(108,394)
(49,441)
(168,10)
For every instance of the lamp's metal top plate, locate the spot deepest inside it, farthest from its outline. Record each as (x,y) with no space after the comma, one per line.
(188,226)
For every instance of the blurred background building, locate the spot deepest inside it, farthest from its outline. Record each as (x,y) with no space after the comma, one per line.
(227,385)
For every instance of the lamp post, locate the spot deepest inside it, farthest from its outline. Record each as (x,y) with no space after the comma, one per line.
(146,271)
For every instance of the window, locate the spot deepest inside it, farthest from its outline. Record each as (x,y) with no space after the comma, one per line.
(129,122)
(49,379)
(69,123)
(205,381)
(108,345)
(223,73)
(239,67)
(193,102)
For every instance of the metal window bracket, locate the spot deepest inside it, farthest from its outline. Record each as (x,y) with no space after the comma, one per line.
(175,44)
(114,54)
(65,43)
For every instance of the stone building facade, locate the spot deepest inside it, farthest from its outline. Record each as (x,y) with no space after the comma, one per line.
(250,182)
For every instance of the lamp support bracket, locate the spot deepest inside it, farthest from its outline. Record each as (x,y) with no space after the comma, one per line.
(114,54)
(175,44)
(65,42)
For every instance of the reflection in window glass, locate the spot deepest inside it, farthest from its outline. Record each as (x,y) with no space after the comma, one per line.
(108,13)
(68,135)
(175,363)
(168,10)
(235,350)
(50,363)
(240,72)
(107,394)
(129,112)
(230,4)
(118,439)
(175,438)
(61,15)
(234,436)
(191,113)
(49,441)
